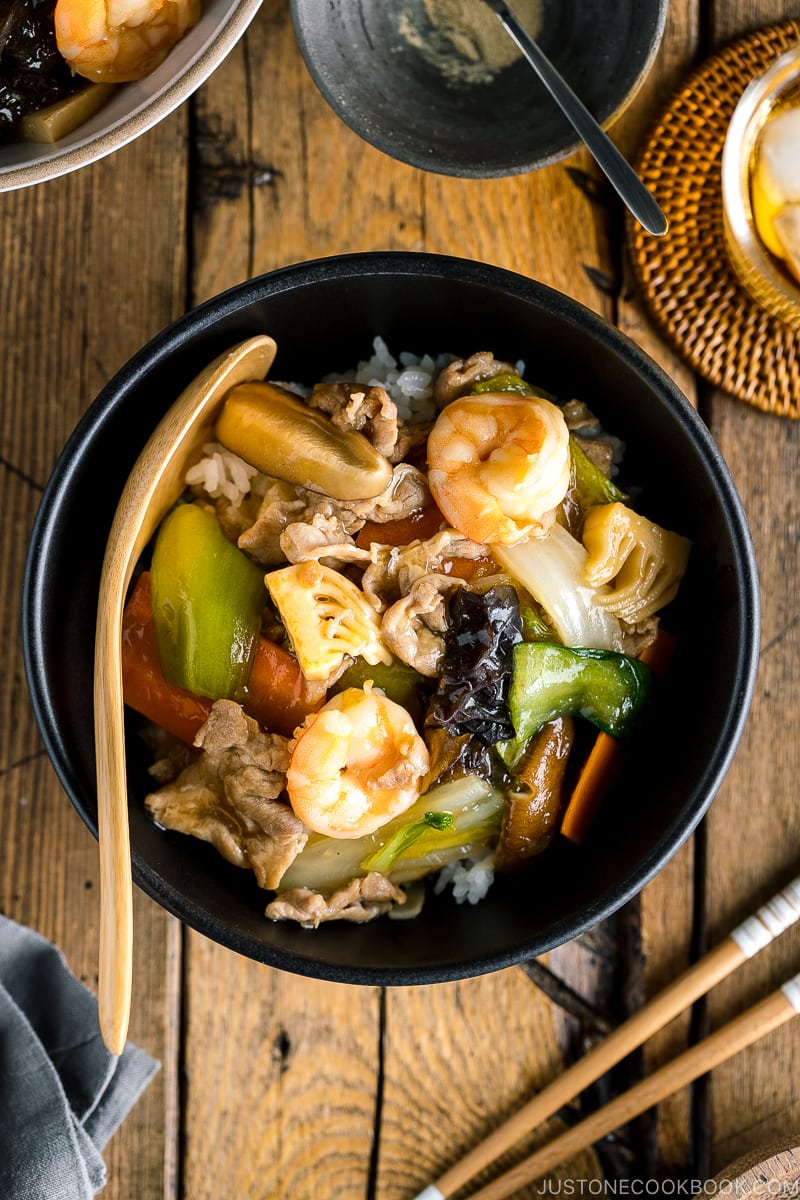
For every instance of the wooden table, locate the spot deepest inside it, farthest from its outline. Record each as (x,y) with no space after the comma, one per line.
(273,1086)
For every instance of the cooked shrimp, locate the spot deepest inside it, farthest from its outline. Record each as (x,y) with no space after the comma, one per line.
(356,764)
(499,466)
(113,41)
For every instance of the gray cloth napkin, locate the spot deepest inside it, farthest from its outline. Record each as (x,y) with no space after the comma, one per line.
(62,1095)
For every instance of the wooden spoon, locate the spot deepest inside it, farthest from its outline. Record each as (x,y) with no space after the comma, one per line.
(153,486)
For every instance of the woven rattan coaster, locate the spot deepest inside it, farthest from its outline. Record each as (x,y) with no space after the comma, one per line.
(686,277)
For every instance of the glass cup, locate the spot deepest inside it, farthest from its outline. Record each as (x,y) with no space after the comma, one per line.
(761,273)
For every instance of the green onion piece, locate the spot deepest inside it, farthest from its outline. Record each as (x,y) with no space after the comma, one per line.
(510,383)
(208,599)
(384,859)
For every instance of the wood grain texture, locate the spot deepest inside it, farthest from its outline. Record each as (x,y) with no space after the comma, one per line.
(89,274)
(280,1080)
(274,1086)
(754,1100)
(773,1170)
(744,1030)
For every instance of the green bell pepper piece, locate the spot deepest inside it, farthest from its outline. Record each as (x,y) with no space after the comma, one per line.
(396,680)
(208,599)
(534,626)
(509,383)
(550,680)
(590,484)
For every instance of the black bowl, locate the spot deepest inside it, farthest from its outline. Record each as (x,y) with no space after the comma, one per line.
(394,74)
(324,315)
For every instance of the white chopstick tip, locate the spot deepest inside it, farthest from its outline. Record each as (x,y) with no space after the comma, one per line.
(791,990)
(777,915)
(431,1193)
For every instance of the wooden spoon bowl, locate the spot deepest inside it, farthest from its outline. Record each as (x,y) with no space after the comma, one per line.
(153,486)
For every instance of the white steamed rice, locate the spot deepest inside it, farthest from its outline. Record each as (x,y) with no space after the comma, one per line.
(221,473)
(470,878)
(408,379)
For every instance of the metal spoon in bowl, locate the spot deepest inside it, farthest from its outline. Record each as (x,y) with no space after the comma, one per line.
(153,486)
(617,169)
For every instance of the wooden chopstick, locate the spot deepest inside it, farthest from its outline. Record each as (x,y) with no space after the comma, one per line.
(742,1031)
(752,935)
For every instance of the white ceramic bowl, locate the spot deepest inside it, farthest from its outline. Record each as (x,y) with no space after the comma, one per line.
(135,107)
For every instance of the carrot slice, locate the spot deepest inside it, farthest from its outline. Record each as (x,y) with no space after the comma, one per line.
(277,694)
(607,756)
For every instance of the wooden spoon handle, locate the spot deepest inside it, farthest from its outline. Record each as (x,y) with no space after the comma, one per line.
(116,907)
(151,489)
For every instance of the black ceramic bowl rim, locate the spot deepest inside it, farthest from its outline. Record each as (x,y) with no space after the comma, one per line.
(382,135)
(282,282)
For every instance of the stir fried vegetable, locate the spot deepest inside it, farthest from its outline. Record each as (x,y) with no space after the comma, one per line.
(396,680)
(277,694)
(553,570)
(145,689)
(509,383)
(534,805)
(276,432)
(422,523)
(402,691)
(606,757)
(384,859)
(591,486)
(454,756)
(534,626)
(644,562)
(207,602)
(472,803)
(327,618)
(551,680)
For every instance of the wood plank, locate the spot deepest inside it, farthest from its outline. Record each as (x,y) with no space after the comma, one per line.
(461,1058)
(667,903)
(73,312)
(753,826)
(280,1080)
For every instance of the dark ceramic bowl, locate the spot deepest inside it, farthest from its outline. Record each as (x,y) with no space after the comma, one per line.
(323,316)
(427,87)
